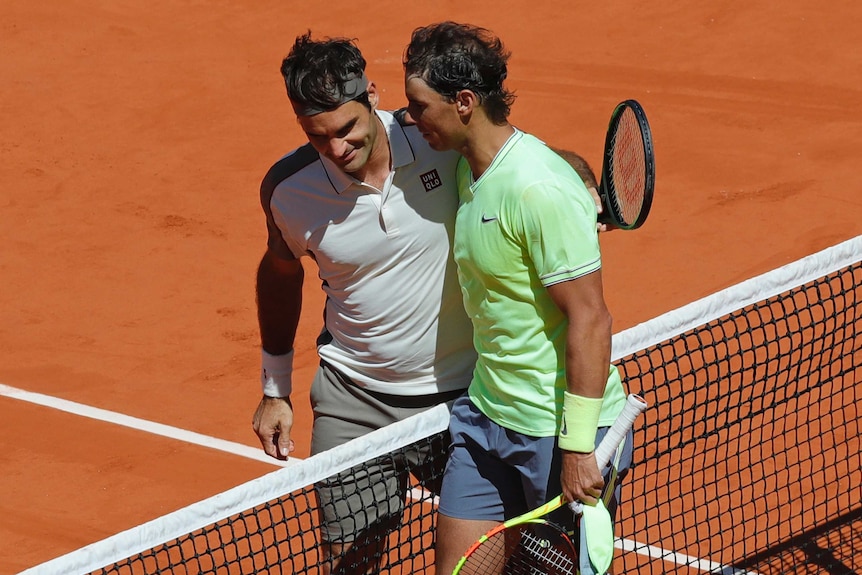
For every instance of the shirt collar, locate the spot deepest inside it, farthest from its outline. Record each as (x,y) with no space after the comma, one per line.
(510,143)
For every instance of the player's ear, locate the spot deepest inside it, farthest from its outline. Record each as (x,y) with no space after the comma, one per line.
(373,96)
(465,102)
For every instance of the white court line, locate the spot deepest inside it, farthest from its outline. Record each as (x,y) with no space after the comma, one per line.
(679,558)
(256,453)
(143,425)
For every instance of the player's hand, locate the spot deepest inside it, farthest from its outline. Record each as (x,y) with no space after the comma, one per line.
(272,422)
(581,478)
(602,227)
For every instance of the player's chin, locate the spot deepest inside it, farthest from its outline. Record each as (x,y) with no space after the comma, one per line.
(353,163)
(435,143)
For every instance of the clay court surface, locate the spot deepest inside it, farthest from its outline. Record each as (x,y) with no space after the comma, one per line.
(135,134)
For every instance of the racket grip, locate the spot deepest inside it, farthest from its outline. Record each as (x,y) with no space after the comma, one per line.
(615,435)
(625,420)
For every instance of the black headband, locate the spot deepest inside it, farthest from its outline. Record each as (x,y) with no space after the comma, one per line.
(350,90)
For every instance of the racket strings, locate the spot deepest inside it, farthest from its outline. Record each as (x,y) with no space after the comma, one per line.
(540,554)
(529,549)
(628,166)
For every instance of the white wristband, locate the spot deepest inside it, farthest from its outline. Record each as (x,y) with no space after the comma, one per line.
(275,373)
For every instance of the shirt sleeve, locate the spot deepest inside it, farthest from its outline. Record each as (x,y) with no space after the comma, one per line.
(559,230)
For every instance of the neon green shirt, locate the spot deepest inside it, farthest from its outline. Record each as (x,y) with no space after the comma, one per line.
(527,223)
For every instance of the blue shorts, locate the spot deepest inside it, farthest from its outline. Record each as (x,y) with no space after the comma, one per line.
(494,473)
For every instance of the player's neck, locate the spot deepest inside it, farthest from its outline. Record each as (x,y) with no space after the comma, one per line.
(484,144)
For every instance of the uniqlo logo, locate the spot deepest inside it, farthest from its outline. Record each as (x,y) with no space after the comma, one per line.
(431,180)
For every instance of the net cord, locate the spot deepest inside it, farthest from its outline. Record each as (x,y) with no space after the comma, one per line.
(759,288)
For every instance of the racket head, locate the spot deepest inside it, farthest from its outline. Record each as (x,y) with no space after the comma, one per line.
(628,168)
(531,547)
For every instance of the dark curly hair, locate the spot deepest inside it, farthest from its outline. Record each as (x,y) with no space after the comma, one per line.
(451,57)
(315,70)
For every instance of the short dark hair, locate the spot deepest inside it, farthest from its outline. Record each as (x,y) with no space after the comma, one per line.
(315,70)
(451,57)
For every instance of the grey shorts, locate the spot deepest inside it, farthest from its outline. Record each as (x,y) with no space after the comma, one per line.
(369,497)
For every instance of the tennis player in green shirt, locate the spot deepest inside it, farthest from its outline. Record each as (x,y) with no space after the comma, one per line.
(529,265)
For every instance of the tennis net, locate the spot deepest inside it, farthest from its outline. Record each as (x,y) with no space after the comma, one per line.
(747,461)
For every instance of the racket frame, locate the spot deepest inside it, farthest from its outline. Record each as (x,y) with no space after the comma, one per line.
(610,213)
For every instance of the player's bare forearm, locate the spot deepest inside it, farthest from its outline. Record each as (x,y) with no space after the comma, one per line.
(588,356)
(587,363)
(587,373)
(279,302)
(588,344)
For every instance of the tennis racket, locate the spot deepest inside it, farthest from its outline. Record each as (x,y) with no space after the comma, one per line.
(628,169)
(531,545)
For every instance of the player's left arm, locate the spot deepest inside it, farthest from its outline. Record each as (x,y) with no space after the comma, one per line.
(588,354)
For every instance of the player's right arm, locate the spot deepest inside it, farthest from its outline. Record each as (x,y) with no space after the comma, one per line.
(279,302)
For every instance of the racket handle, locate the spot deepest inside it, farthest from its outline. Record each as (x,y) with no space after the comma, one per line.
(625,420)
(615,435)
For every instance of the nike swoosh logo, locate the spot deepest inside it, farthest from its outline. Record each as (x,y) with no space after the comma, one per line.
(486,219)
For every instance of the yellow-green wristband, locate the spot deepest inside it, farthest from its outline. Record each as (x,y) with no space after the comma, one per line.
(579,422)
